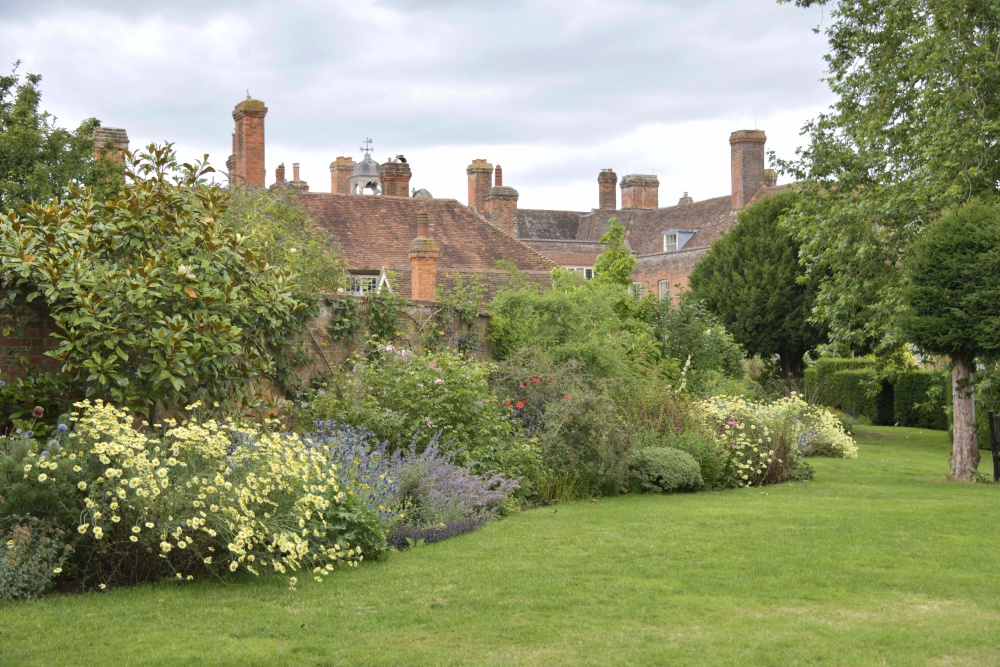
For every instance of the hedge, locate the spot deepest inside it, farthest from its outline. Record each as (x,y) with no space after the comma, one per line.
(911,388)
(844,384)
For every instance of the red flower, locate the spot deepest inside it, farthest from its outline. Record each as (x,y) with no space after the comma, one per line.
(567,397)
(550,380)
(520,405)
(508,404)
(524,384)
(534,380)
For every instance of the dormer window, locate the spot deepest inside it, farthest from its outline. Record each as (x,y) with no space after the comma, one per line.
(676,239)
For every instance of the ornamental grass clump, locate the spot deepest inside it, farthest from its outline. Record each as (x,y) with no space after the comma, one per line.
(195,499)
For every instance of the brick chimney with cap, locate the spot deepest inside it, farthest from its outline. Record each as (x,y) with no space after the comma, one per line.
(480,175)
(747,165)
(500,206)
(685,200)
(297,183)
(340,170)
(423,256)
(395,177)
(607,180)
(640,191)
(246,164)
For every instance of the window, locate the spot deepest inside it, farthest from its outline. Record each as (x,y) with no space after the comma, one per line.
(664,289)
(636,290)
(670,242)
(362,285)
(585,271)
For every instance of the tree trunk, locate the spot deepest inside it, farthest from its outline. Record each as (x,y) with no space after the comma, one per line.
(965,450)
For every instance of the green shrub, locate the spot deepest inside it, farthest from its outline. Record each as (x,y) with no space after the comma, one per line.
(700,442)
(170,305)
(404,397)
(824,368)
(32,553)
(918,399)
(662,469)
(701,345)
(849,390)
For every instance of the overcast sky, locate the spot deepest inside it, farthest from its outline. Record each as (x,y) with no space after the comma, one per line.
(554,90)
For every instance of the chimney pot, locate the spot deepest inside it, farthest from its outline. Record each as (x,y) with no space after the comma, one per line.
(295,171)
(498,176)
(279,173)
(422,219)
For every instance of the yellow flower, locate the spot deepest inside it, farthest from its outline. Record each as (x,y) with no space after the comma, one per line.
(103,586)
(133,538)
(98,532)
(57,570)
(82,528)
(149,524)
(81,486)
(42,477)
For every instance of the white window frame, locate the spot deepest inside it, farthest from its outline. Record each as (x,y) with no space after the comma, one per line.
(586,271)
(670,240)
(664,289)
(363,283)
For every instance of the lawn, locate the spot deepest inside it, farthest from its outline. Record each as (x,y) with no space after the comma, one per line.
(878,560)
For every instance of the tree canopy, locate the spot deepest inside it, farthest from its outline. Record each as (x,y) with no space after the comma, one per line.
(952,297)
(915,130)
(37,158)
(615,265)
(750,279)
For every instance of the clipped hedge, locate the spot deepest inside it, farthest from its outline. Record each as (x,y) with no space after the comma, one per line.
(664,470)
(913,389)
(843,384)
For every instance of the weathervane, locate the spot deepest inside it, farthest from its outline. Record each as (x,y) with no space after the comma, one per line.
(368,147)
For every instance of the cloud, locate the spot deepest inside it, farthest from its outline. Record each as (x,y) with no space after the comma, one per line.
(568,84)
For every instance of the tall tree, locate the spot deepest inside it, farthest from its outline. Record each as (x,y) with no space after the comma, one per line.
(38,159)
(915,130)
(952,297)
(750,279)
(614,266)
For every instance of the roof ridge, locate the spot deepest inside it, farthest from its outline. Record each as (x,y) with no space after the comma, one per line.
(476,213)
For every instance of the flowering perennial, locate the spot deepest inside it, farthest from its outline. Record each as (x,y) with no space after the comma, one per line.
(204,497)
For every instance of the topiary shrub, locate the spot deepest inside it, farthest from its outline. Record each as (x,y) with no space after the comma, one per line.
(919,399)
(656,469)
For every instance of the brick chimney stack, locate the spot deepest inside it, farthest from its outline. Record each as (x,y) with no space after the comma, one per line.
(747,165)
(279,173)
(607,196)
(423,256)
(340,171)
(500,206)
(640,191)
(685,200)
(498,177)
(480,177)
(295,171)
(119,143)
(246,166)
(297,183)
(770,177)
(395,177)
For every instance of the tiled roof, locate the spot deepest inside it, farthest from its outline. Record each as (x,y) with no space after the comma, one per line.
(542,224)
(371,232)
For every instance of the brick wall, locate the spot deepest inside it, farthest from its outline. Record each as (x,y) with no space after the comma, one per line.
(25,345)
(395,178)
(747,165)
(672,266)
(340,170)
(640,191)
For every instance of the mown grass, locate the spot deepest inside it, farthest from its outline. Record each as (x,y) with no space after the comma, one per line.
(879,560)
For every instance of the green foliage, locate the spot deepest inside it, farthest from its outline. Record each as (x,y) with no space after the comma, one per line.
(952,289)
(381,311)
(32,554)
(700,442)
(156,301)
(752,281)
(851,391)
(189,499)
(279,231)
(344,318)
(663,470)
(614,266)
(698,341)
(576,320)
(919,398)
(37,159)
(581,422)
(403,397)
(915,131)
(824,368)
